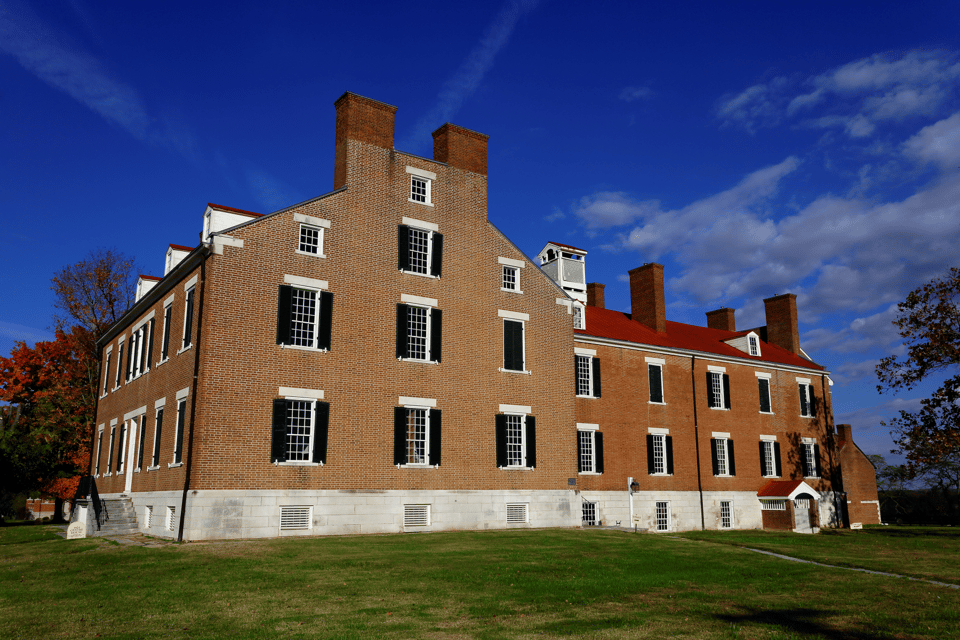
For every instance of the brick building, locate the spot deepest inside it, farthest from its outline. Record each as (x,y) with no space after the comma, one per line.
(381,358)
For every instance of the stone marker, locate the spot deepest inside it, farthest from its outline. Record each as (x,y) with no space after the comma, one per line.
(76,530)
(856,525)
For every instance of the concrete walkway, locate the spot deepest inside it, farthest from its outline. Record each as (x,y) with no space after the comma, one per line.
(833,566)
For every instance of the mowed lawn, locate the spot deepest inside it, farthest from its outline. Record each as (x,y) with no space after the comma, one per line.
(502,584)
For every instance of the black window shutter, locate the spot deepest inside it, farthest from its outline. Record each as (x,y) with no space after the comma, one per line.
(508,345)
(325,329)
(813,400)
(531,441)
(321,429)
(278,444)
(157,432)
(651,469)
(501,432)
(402,331)
(596,377)
(803,399)
(763,461)
(598,445)
(816,460)
(776,459)
(403,248)
(165,344)
(436,334)
(436,260)
(576,375)
(120,446)
(669,447)
(518,346)
(130,353)
(399,435)
(764,385)
(144,355)
(714,443)
(731,464)
(726,391)
(143,433)
(150,345)
(435,436)
(656,383)
(711,399)
(284,306)
(188,321)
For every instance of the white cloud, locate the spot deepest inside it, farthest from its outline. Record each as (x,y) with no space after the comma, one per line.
(612,209)
(45,54)
(938,143)
(472,70)
(629,94)
(758,106)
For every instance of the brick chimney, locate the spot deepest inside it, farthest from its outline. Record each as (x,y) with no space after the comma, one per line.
(782,327)
(461,148)
(363,120)
(646,296)
(595,294)
(844,435)
(722,318)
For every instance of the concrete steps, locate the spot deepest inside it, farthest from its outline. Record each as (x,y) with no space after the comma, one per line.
(119,518)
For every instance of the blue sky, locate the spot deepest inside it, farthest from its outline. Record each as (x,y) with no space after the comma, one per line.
(752,148)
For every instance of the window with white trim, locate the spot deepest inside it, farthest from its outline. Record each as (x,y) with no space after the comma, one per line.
(663,516)
(304,317)
(726,514)
(763,386)
(589,514)
(157,433)
(99,449)
(420,250)
(165,343)
(723,461)
(141,349)
(770,458)
(806,399)
(590,449)
(142,435)
(113,443)
(311,240)
(121,446)
(659,454)
(416,435)
(810,458)
(579,321)
(655,380)
(419,332)
(516,441)
(753,344)
(300,428)
(178,442)
(588,376)
(420,188)
(718,388)
(510,278)
(188,319)
(106,371)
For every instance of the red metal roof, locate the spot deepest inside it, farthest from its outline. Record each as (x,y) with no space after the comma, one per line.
(778,488)
(180,247)
(617,325)
(240,211)
(150,277)
(567,246)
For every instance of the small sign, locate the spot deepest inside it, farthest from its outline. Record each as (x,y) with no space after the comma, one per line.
(76,530)
(856,525)
(572,481)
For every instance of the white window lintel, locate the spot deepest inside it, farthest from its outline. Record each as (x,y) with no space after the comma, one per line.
(421,173)
(510,262)
(803,380)
(296,392)
(316,222)
(514,408)
(183,393)
(160,403)
(659,361)
(768,438)
(513,315)
(716,369)
(585,426)
(190,283)
(300,281)
(720,434)
(580,351)
(420,224)
(763,374)
(658,431)
(134,413)
(427,302)
(406,401)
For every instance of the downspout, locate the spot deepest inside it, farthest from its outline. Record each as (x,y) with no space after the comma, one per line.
(696,436)
(630,499)
(193,401)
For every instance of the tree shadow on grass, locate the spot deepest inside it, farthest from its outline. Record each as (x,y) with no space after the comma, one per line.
(804,622)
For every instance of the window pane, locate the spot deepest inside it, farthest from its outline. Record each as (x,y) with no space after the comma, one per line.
(303,317)
(309,239)
(583,375)
(299,418)
(418,189)
(515,441)
(659,455)
(417,436)
(586,450)
(510,278)
(419,248)
(417,332)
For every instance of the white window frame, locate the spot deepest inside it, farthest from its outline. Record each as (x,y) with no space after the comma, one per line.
(96,470)
(118,379)
(309,396)
(660,440)
(804,386)
(148,516)
(178,435)
(586,436)
(106,374)
(579,317)
(316,244)
(728,504)
(428,178)
(717,387)
(769,462)
(165,334)
(763,375)
(158,410)
(589,508)
(522,318)
(316,224)
(659,363)
(810,455)
(753,344)
(662,516)
(428,337)
(776,504)
(523,440)
(513,267)
(723,461)
(426,406)
(581,357)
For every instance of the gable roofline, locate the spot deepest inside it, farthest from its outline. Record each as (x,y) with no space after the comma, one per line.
(786,489)
(241,212)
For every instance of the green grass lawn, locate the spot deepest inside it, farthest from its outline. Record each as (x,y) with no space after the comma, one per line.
(922,552)
(503,584)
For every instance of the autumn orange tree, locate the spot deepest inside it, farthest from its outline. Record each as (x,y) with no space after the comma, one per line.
(929,322)
(50,390)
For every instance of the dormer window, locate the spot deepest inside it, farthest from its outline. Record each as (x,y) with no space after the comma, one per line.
(749,343)
(754,345)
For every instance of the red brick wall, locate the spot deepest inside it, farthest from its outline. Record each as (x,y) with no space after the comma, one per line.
(779,520)
(859,480)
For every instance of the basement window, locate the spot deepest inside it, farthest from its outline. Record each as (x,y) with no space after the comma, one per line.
(295,518)
(416,515)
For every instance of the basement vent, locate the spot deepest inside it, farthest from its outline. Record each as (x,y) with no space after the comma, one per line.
(295,518)
(148,516)
(416,515)
(171,514)
(517,514)
(590,514)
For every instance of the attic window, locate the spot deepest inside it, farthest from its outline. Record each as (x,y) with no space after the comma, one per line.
(754,345)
